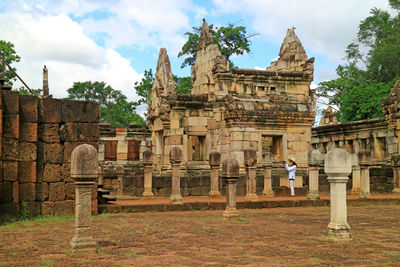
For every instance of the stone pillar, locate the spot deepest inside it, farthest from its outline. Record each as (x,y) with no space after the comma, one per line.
(175,157)
(120,175)
(84,172)
(268,157)
(314,160)
(338,167)
(396,174)
(45,81)
(215,163)
(230,172)
(101,176)
(364,160)
(250,161)
(355,190)
(148,174)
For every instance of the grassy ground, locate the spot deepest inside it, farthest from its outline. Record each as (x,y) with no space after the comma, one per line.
(269,237)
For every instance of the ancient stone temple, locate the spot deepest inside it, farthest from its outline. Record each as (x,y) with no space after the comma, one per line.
(268,110)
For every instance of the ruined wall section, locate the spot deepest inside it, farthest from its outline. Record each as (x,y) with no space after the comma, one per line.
(375,135)
(38,138)
(123,146)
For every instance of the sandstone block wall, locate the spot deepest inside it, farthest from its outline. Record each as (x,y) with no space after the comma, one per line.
(37,140)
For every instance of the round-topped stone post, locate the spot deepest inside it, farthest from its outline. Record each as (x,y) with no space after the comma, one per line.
(175,157)
(148,174)
(268,157)
(355,190)
(120,175)
(396,174)
(101,176)
(230,172)
(250,161)
(364,160)
(215,163)
(313,160)
(338,167)
(84,172)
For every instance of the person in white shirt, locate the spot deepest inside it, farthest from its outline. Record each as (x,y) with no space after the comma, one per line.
(291,168)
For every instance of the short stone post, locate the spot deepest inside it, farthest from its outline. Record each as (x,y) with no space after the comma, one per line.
(84,172)
(268,175)
(148,174)
(355,190)
(338,167)
(364,160)
(101,176)
(396,174)
(250,161)
(120,175)
(314,160)
(230,172)
(175,157)
(215,163)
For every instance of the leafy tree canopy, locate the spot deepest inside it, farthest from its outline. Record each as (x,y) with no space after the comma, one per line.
(231,40)
(373,66)
(114,106)
(143,88)
(10,57)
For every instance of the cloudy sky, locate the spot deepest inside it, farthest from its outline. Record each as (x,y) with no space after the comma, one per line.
(116,40)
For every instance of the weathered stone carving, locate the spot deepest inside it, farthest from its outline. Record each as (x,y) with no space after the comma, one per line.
(338,167)
(314,160)
(250,161)
(84,172)
(215,163)
(364,160)
(175,156)
(268,158)
(148,179)
(230,172)
(355,190)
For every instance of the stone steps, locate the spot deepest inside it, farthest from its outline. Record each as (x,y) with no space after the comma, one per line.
(220,205)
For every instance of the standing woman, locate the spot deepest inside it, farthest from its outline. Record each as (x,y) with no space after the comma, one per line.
(291,168)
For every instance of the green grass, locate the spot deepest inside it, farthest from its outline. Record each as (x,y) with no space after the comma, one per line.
(45,263)
(43,220)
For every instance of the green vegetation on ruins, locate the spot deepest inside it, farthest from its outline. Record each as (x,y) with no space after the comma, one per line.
(372,68)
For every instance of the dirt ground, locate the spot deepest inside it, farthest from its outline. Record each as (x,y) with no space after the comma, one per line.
(267,237)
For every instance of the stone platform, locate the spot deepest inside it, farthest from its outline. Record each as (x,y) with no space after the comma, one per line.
(206,203)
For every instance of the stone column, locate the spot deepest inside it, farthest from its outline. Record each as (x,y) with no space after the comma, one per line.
(314,160)
(101,176)
(355,190)
(120,175)
(364,160)
(215,163)
(175,157)
(268,157)
(84,172)
(148,174)
(250,161)
(230,172)
(338,167)
(396,174)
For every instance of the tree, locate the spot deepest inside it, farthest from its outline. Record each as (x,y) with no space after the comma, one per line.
(143,88)
(368,76)
(114,106)
(10,57)
(231,40)
(183,85)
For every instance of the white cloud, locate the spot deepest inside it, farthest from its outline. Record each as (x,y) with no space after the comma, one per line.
(325,27)
(69,54)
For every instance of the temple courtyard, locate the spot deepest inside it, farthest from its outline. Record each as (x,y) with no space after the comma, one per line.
(257,237)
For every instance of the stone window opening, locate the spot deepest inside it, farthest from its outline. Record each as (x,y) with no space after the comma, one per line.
(133,150)
(110,150)
(197,148)
(274,145)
